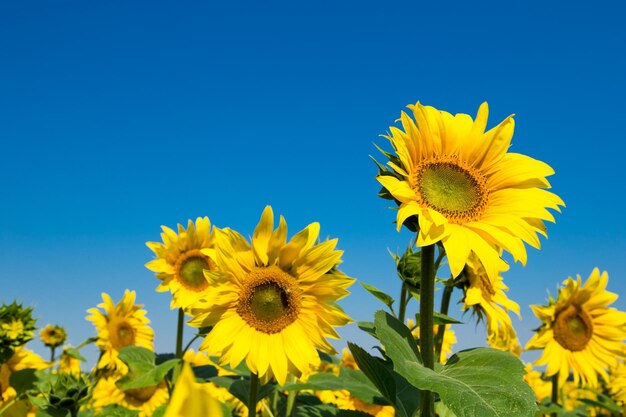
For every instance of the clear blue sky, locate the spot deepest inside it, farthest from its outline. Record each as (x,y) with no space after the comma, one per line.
(118,117)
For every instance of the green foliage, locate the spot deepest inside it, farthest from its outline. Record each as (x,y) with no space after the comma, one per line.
(439,318)
(17,327)
(480,382)
(239,387)
(381,295)
(142,369)
(117,411)
(351,380)
(393,387)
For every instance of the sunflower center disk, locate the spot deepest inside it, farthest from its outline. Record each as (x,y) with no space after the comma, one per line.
(573,329)
(190,267)
(122,335)
(138,396)
(456,192)
(269,300)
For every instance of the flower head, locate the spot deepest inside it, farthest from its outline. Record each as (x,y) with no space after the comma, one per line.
(181,259)
(272,302)
(486,297)
(464,188)
(579,332)
(191,398)
(120,325)
(53,336)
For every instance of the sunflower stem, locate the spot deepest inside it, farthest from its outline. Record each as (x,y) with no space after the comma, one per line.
(445,303)
(179,333)
(404,300)
(427,308)
(555,391)
(51,359)
(254,389)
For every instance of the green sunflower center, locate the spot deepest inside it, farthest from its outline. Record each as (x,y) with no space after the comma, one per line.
(269,300)
(456,191)
(573,328)
(122,334)
(190,268)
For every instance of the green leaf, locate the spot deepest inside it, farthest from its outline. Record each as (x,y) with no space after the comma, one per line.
(326,410)
(74,353)
(368,327)
(395,389)
(354,381)
(399,343)
(142,369)
(439,318)
(442,410)
(159,411)
(480,382)
(240,388)
(381,295)
(23,380)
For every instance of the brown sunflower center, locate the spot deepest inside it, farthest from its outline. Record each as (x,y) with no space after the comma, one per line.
(122,334)
(190,268)
(269,300)
(450,187)
(139,396)
(573,328)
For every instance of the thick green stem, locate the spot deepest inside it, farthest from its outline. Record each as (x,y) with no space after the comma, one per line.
(179,333)
(555,390)
(254,389)
(445,303)
(51,359)
(427,308)
(404,300)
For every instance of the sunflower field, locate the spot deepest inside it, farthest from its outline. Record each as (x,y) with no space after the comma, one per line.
(262,309)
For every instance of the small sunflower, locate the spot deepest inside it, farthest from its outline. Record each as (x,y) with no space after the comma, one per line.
(145,400)
(121,325)
(69,364)
(486,297)
(541,387)
(272,303)
(52,336)
(580,333)
(180,260)
(466,190)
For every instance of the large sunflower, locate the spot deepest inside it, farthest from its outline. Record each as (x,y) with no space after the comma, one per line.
(272,302)
(464,187)
(180,260)
(121,325)
(487,298)
(579,331)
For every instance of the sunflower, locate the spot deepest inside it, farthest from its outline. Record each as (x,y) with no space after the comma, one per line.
(52,336)
(21,359)
(180,260)
(579,331)
(121,325)
(466,190)
(617,383)
(486,297)
(541,387)
(145,400)
(346,401)
(69,364)
(272,302)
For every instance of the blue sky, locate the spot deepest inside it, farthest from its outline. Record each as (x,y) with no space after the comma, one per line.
(118,117)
